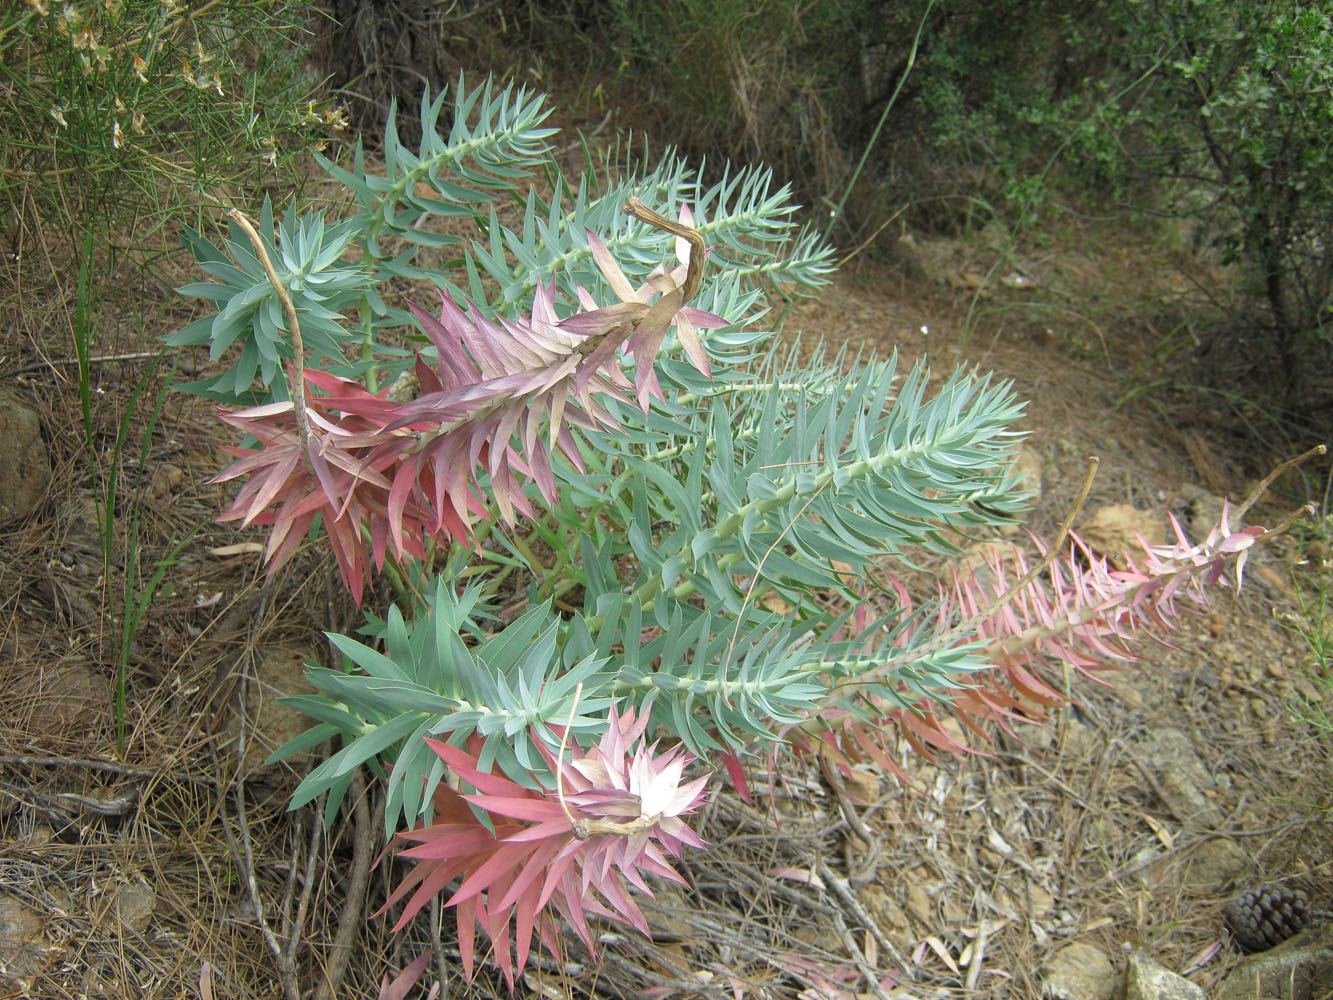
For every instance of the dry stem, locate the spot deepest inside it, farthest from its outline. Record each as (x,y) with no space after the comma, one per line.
(349,921)
(298,346)
(694,275)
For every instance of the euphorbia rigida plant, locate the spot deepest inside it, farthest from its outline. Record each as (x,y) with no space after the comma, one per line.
(629,541)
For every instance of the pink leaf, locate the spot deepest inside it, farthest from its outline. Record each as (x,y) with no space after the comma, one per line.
(632,801)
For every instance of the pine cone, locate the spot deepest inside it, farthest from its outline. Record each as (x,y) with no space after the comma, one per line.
(1260,918)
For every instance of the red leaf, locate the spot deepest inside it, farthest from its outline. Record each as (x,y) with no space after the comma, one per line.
(536,859)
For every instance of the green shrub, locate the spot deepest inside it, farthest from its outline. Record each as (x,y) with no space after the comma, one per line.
(1241,103)
(627,531)
(121,113)
(1184,107)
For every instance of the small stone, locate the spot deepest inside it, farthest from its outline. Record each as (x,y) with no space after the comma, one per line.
(1214,865)
(1079,971)
(166,477)
(279,672)
(25,468)
(919,906)
(1185,797)
(1121,530)
(887,914)
(1028,467)
(133,905)
(22,946)
(1183,776)
(1147,865)
(662,919)
(1306,690)
(1149,981)
(1080,740)
(818,936)
(1040,902)
(862,784)
(1205,512)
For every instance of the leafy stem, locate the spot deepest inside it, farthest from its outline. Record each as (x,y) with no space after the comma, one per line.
(293,326)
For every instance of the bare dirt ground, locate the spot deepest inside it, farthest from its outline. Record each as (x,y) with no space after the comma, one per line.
(1125,823)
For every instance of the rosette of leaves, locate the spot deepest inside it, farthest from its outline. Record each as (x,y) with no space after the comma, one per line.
(523,855)
(306,254)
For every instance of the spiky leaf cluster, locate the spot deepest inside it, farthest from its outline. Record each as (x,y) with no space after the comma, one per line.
(741,216)
(307,255)
(496,138)
(470,170)
(502,397)
(611,816)
(509,689)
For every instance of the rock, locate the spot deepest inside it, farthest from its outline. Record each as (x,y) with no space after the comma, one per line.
(1080,739)
(1300,968)
(1114,531)
(23,946)
(1214,865)
(1040,903)
(1147,867)
(887,914)
(133,906)
(166,477)
(1029,466)
(1079,971)
(1185,797)
(662,919)
(66,696)
(1182,775)
(862,785)
(25,469)
(920,907)
(279,672)
(1146,980)
(40,835)
(1204,514)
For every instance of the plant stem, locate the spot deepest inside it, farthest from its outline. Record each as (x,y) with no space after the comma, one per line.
(298,346)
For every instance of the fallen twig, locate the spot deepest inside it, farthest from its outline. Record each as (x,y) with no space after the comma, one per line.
(243,855)
(168,769)
(349,921)
(858,956)
(843,891)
